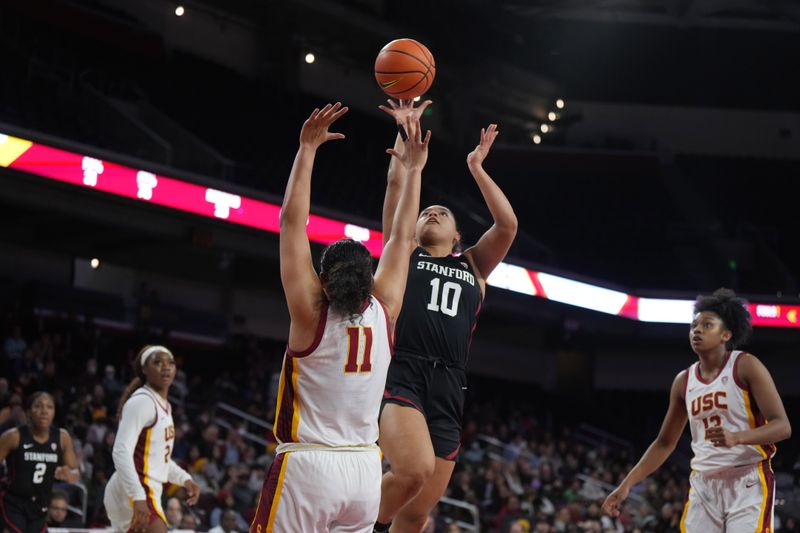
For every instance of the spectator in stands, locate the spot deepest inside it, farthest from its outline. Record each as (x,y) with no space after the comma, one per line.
(111,384)
(13,415)
(227,523)
(189,522)
(29,370)
(210,440)
(227,503)
(509,513)
(14,346)
(180,388)
(562,520)
(520,526)
(546,467)
(791,526)
(58,514)
(180,452)
(669,520)
(174,513)
(543,525)
(205,474)
(5,393)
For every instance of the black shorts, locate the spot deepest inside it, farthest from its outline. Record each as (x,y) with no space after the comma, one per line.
(435,390)
(16,519)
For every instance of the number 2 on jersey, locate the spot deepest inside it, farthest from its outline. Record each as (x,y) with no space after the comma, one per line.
(38,474)
(449,304)
(353,349)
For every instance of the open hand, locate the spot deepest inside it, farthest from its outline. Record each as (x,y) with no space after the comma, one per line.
(488,135)
(403,109)
(315,128)
(415,149)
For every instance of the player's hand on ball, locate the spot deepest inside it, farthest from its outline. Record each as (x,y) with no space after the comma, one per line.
(721,437)
(141,515)
(192,492)
(614,500)
(315,128)
(488,135)
(415,148)
(404,108)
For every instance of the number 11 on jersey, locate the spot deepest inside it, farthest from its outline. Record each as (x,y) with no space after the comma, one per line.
(353,349)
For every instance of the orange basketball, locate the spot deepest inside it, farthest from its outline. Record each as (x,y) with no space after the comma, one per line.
(405,69)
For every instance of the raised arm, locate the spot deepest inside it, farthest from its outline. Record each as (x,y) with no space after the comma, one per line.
(396,175)
(758,379)
(658,452)
(493,246)
(392,272)
(300,282)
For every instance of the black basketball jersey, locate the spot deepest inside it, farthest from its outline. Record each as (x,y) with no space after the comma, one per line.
(31,469)
(440,309)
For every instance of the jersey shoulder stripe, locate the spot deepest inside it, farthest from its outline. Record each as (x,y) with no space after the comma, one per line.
(323,319)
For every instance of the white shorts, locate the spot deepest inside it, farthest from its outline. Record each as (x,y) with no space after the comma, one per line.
(316,491)
(737,500)
(119,506)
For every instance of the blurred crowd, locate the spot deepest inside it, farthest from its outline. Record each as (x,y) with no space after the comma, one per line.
(86,372)
(519,473)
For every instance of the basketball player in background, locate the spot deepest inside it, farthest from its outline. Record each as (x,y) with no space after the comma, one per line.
(326,475)
(425,389)
(36,454)
(728,397)
(143,447)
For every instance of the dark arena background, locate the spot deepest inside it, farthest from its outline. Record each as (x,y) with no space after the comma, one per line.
(650,149)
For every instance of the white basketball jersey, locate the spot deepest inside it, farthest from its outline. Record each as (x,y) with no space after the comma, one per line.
(722,401)
(154,447)
(330,394)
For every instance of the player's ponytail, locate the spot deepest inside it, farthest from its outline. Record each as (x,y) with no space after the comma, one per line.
(347,276)
(137,382)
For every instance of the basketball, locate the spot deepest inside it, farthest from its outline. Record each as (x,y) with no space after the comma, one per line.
(405,69)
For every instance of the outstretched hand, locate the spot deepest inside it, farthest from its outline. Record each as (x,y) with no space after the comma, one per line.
(315,128)
(415,149)
(402,109)
(488,135)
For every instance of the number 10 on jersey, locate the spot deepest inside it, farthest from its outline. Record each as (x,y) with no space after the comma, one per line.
(445,300)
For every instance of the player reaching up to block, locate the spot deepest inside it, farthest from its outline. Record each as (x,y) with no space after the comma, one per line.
(728,397)
(326,475)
